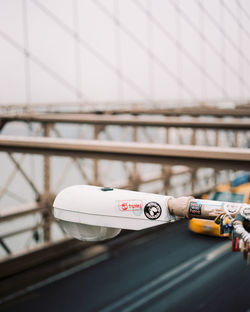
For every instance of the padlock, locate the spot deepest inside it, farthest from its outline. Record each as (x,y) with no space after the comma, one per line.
(235,244)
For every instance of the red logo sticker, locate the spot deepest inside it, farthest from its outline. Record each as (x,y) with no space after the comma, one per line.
(130,205)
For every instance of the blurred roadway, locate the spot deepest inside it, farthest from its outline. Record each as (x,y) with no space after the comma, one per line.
(170,270)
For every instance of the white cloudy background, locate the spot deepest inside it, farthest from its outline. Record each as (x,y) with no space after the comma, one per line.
(123,50)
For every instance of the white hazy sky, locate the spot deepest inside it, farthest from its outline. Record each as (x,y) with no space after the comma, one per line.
(124,53)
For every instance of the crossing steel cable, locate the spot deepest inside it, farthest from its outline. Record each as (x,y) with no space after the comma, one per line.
(222,47)
(241,29)
(247,15)
(26,55)
(243,10)
(224,34)
(150,39)
(237,21)
(208,42)
(225,38)
(240,61)
(179,53)
(119,59)
(179,46)
(38,62)
(78,65)
(203,58)
(92,50)
(144,48)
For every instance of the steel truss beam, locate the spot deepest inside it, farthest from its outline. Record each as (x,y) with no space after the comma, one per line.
(106,120)
(191,111)
(193,156)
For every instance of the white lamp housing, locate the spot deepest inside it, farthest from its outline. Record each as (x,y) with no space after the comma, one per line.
(96,213)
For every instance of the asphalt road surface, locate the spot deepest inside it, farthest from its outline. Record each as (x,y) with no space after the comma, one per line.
(173,270)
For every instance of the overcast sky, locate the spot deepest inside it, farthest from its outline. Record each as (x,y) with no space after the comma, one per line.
(120,50)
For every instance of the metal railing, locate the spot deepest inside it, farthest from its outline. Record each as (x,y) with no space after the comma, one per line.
(108,147)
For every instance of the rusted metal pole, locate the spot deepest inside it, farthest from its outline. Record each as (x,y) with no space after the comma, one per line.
(217,137)
(189,207)
(193,136)
(135,179)
(166,172)
(45,202)
(96,181)
(166,169)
